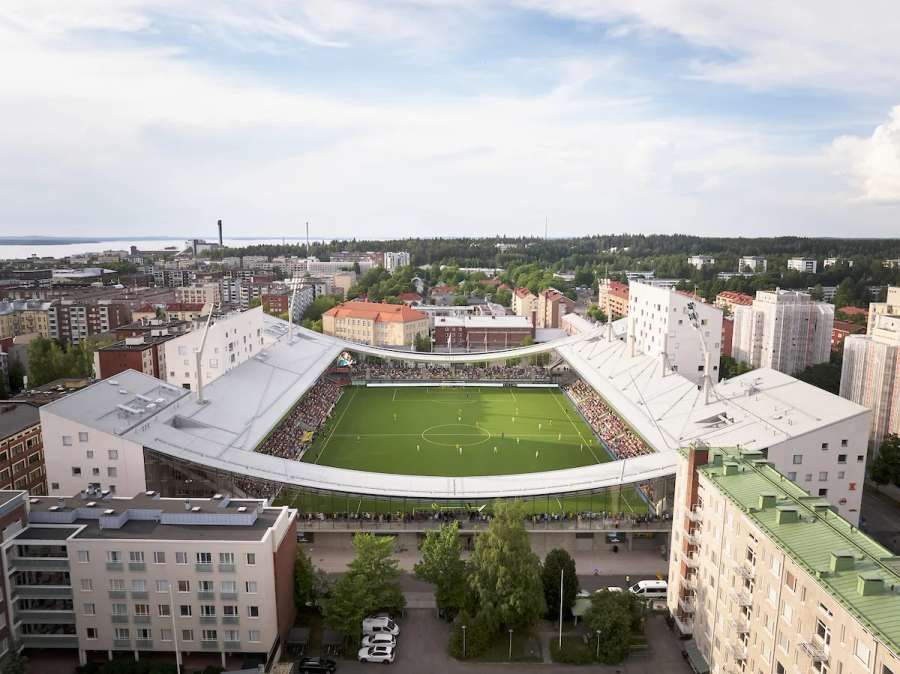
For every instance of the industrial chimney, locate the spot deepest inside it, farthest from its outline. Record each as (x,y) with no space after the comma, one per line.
(220,233)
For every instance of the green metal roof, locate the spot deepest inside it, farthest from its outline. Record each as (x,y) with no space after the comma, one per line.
(811,540)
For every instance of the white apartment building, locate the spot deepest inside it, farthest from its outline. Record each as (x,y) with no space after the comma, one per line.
(890,306)
(206,293)
(700,261)
(870,375)
(834,261)
(231,340)
(393,261)
(754,263)
(144,575)
(677,326)
(767,578)
(785,330)
(803,264)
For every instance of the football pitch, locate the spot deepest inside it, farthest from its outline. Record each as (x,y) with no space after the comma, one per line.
(455,432)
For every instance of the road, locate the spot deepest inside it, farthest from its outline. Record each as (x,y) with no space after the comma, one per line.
(881,518)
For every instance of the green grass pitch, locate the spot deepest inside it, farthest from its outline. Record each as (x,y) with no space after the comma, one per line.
(455,432)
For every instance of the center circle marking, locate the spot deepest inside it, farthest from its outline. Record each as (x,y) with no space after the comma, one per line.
(443,433)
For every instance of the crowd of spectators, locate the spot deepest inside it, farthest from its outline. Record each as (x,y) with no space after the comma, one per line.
(293,434)
(381,372)
(623,442)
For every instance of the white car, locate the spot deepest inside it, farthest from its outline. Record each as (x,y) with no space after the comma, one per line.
(584,594)
(380,624)
(382,654)
(379,639)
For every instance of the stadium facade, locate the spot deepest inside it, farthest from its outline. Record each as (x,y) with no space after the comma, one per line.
(132,432)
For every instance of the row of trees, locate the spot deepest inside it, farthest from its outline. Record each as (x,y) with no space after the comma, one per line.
(885,467)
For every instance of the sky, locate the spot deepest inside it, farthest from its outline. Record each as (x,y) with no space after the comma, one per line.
(396,118)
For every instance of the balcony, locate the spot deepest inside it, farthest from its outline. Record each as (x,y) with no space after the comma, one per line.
(137,566)
(114,566)
(689,582)
(209,645)
(206,595)
(742,597)
(814,649)
(230,620)
(738,650)
(203,568)
(695,514)
(48,640)
(686,604)
(745,569)
(39,563)
(691,561)
(208,620)
(692,537)
(45,617)
(685,624)
(228,595)
(119,618)
(142,619)
(139,594)
(117,594)
(143,644)
(226,568)
(740,625)
(232,645)
(121,643)
(42,592)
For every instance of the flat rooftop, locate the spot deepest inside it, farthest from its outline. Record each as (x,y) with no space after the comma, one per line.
(16,417)
(812,539)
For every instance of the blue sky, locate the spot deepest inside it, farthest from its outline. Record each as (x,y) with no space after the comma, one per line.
(427,117)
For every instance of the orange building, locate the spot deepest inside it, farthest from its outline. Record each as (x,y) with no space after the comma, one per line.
(375,323)
(613,298)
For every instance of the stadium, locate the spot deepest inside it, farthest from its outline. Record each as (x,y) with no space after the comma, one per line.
(354,433)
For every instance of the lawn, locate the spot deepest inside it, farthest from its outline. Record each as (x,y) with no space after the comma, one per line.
(455,432)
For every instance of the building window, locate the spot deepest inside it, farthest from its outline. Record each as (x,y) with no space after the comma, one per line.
(823,492)
(844,442)
(226,558)
(798,459)
(117,584)
(229,586)
(67,440)
(232,635)
(76,471)
(91,633)
(135,556)
(181,558)
(824,445)
(253,611)
(823,632)
(253,635)
(251,558)
(204,558)
(205,586)
(139,585)
(82,436)
(209,635)
(823,476)
(187,635)
(113,454)
(112,471)
(89,453)
(159,557)
(207,610)
(89,609)
(792,475)
(250,586)
(860,458)
(184,586)
(862,652)
(54,486)
(842,458)
(84,556)
(119,609)
(165,635)
(184,610)
(164,610)
(162,586)
(113,556)
(87,585)
(142,609)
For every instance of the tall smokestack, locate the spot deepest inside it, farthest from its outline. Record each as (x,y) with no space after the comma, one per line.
(220,233)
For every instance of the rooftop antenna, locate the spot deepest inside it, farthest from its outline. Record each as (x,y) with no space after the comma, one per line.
(308,253)
(546,224)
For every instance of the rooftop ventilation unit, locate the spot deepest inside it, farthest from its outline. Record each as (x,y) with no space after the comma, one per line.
(242,509)
(123,392)
(91,504)
(149,492)
(217,497)
(34,500)
(195,509)
(113,382)
(109,511)
(53,509)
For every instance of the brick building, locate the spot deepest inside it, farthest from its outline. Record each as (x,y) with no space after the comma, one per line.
(841,330)
(613,298)
(21,448)
(144,354)
(552,305)
(481,333)
(71,321)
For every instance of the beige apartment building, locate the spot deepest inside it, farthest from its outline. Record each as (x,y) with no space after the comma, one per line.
(524,303)
(768,579)
(206,293)
(24,317)
(375,323)
(890,306)
(153,576)
(551,306)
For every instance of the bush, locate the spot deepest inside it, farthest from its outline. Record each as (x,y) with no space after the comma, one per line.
(574,651)
(480,634)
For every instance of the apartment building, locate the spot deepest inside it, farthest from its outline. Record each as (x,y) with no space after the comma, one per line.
(231,340)
(613,298)
(145,575)
(144,353)
(552,305)
(524,303)
(754,263)
(24,317)
(700,261)
(803,264)
(890,306)
(204,293)
(785,330)
(186,311)
(13,516)
(481,333)
(687,333)
(767,578)
(72,321)
(392,261)
(375,323)
(727,300)
(870,375)
(836,261)
(21,448)
(172,277)
(841,330)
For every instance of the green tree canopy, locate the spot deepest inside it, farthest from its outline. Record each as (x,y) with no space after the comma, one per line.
(374,561)
(613,615)
(319,306)
(885,467)
(304,580)
(558,560)
(443,566)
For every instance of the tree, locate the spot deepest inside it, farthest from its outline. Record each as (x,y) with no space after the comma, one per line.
(319,306)
(14,662)
(443,566)
(503,297)
(597,313)
(422,343)
(885,467)
(375,563)
(304,580)
(729,367)
(45,361)
(559,560)
(504,575)
(350,602)
(613,614)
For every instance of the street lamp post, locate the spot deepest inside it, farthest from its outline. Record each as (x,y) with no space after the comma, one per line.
(598,644)
(464,641)
(510,644)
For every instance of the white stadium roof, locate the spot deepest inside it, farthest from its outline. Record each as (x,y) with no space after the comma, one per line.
(243,404)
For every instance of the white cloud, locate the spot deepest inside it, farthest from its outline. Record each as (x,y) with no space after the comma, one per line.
(873,164)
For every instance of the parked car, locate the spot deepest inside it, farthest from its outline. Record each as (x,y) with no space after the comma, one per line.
(584,594)
(382,654)
(380,639)
(316,665)
(377,624)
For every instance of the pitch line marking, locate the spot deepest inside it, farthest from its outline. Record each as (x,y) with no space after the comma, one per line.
(338,423)
(575,428)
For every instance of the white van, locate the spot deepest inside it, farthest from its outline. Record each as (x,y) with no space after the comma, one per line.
(650,589)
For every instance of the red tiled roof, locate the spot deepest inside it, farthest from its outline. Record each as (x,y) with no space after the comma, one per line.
(490,282)
(848,327)
(410,297)
(853,311)
(184,306)
(443,289)
(735,297)
(522,291)
(376,311)
(146,309)
(618,289)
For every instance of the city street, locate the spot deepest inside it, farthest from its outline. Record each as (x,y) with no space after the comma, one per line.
(881,515)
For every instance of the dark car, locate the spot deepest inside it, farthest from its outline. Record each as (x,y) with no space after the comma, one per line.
(316,665)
